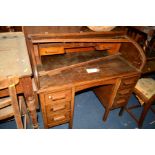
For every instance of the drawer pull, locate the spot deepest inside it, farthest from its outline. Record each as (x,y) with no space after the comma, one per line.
(54,98)
(58,118)
(128,82)
(121,101)
(58,108)
(124,92)
(48,52)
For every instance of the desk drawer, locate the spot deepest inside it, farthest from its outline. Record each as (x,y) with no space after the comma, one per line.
(53,108)
(51,50)
(122,96)
(57,107)
(58,118)
(120,101)
(124,93)
(61,96)
(128,82)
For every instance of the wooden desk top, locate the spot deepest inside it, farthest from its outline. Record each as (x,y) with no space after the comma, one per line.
(54,62)
(112,67)
(14,59)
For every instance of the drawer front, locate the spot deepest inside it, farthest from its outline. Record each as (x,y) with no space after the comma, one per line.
(111,47)
(59,107)
(56,107)
(58,118)
(51,50)
(119,103)
(124,91)
(128,82)
(61,96)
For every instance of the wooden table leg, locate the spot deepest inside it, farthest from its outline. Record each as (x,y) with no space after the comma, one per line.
(30,99)
(32,109)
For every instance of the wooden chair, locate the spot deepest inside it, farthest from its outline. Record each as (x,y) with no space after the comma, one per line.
(9,106)
(145,92)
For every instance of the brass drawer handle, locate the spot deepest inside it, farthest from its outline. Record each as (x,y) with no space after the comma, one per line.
(58,118)
(57,108)
(54,98)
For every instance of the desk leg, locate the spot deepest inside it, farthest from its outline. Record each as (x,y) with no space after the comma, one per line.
(106,113)
(31,105)
(30,99)
(121,111)
(72,109)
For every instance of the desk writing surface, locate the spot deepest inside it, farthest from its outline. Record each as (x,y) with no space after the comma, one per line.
(114,66)
(14,59)
(51,62)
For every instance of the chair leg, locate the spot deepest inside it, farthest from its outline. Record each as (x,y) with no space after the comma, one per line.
(24,111)
(15,106)
(131,114)
(18,121)
(25,122)
(153,110)
(143,114)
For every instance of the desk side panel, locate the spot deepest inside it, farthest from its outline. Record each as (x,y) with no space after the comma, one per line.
(133,53)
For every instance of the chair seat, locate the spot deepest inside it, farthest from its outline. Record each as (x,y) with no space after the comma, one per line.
(146,86)
(5,102)
(6,112)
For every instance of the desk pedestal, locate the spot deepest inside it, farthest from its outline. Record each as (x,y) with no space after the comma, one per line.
(57,107)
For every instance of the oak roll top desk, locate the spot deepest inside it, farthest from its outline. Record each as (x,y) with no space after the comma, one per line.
(64,63)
